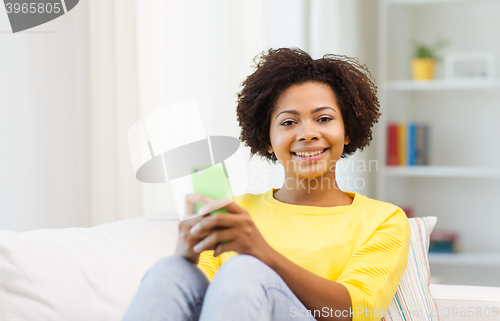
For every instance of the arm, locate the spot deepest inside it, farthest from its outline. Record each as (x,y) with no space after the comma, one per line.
(367,283)
(374,271)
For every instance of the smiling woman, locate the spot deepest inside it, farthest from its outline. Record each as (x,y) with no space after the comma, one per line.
(307,250)
(308,140)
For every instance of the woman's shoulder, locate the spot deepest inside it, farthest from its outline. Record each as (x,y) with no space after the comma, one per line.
(245,198)
(385,217)
(383,210)
(377,204)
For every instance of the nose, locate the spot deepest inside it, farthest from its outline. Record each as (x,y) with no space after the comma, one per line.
(308,132)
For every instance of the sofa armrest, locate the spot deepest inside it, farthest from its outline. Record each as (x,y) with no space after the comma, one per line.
(462,302)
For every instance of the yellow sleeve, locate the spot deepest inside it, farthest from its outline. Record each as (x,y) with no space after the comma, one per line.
(374,271)
(208,263)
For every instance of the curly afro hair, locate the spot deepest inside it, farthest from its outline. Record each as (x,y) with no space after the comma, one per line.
(278,69)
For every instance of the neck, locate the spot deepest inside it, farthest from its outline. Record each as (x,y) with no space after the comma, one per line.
(319,191)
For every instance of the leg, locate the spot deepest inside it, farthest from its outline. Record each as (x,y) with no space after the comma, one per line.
(245,288)
(173,289)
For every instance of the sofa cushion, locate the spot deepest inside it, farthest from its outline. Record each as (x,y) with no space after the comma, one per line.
(79,273)
(413,299)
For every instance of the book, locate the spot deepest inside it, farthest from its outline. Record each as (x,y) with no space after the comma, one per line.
(441,241)
(402,144)
(411,144)
(407,144)
(425,144)
(392,144)
(422,148)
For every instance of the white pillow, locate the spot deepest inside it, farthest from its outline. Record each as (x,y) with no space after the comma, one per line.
(75,274)
(413,299)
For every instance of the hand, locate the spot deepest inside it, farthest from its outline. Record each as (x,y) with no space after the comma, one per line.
(236,226)
(185,240)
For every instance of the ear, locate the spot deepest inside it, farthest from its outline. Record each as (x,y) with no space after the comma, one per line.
(346,139)
(270,150)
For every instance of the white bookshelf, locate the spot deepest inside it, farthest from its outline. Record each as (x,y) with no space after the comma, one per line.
(442,171)
(466,259)
(418,2)
(440,84)
(461,184)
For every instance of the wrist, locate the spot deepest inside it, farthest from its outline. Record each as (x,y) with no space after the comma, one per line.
(271,257)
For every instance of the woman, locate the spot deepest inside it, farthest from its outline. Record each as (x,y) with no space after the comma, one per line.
(307,250)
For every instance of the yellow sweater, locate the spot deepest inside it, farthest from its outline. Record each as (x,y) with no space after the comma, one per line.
(363,246)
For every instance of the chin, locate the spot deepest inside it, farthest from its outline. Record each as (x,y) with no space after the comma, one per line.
(306,175)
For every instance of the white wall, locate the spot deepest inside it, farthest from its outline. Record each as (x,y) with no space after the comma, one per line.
(44,141)
(205,57)
(46,132)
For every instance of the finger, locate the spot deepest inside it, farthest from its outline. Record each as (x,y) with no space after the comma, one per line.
(212,222)
(224,203)
(217,236)
(189,205)
(192,219)
(234,208)
(213,206)
(198,198)
(192,199)
(223,247)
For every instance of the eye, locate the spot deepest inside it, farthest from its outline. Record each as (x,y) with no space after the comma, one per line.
(288,121)
(325,119)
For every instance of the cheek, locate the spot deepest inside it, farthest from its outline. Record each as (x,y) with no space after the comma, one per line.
(281,142)
(337,135)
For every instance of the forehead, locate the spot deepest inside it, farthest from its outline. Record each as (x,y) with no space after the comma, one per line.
(306,96)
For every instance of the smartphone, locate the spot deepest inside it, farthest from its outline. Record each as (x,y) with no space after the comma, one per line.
(212,181)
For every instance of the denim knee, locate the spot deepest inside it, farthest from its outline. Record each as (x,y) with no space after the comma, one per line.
(174,268)
(240,287)
(172,289)
(244,271)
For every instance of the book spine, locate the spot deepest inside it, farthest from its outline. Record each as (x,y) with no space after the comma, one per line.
(392,144)
(425,144)
(411,144)
(419,149)
(402,144)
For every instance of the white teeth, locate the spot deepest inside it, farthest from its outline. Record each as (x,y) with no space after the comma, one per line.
(307,154)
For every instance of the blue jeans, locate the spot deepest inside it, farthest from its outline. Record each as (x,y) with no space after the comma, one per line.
(244,288)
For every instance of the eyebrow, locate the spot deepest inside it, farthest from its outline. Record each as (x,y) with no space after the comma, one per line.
(312,112)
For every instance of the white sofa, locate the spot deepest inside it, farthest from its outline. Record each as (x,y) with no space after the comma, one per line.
(75,274)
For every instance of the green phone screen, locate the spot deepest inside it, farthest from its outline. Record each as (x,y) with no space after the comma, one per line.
(212,182)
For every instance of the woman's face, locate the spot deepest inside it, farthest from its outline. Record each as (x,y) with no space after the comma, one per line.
(307,118)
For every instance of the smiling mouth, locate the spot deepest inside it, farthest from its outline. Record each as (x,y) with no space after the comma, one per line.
(322,152)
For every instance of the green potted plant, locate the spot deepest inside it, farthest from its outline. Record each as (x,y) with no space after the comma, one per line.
(425,59)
